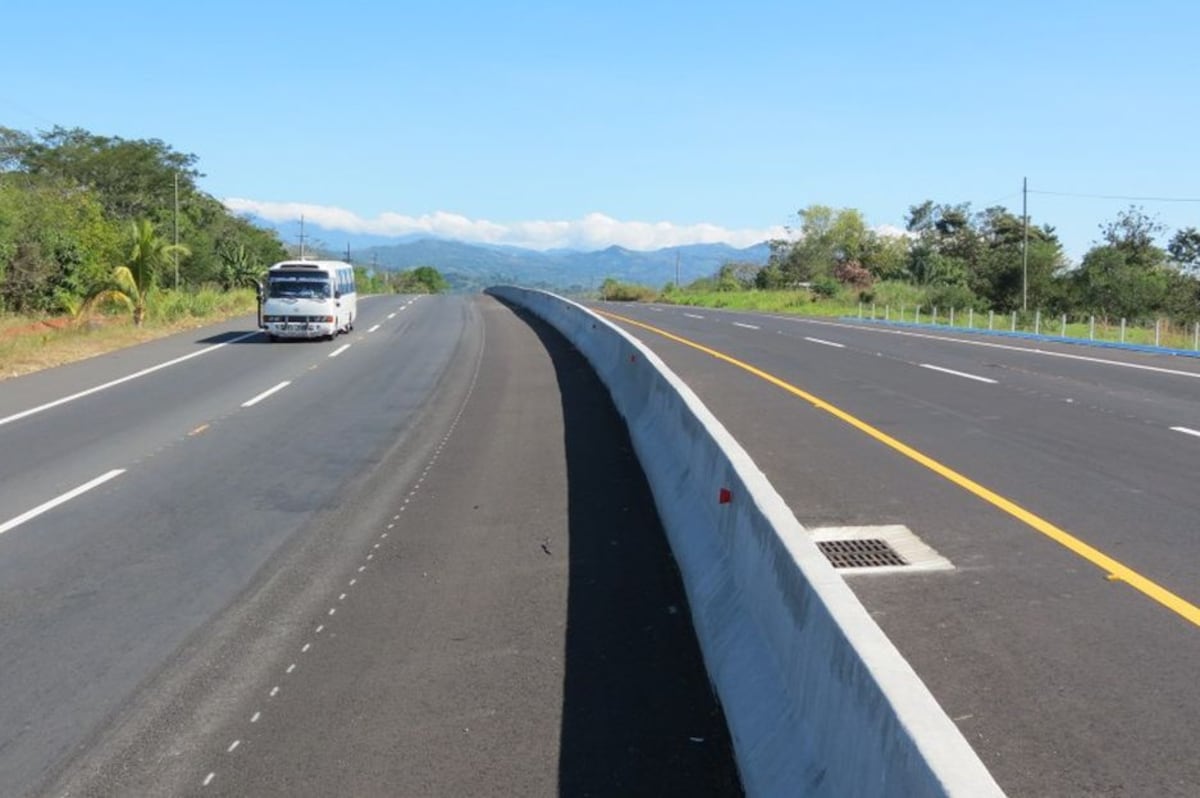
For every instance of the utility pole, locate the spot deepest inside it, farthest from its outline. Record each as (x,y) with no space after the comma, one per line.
(1024,244)
(347,252)
(301,236)
(676,270)
(176,252)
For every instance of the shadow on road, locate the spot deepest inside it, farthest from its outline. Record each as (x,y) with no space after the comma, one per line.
(231,336)
(640,717)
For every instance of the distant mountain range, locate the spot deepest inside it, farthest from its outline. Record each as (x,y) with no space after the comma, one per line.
(471,267)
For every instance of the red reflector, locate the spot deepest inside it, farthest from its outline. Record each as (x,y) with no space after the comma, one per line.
(724,497)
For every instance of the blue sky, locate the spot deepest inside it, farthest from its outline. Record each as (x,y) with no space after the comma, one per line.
(640,123)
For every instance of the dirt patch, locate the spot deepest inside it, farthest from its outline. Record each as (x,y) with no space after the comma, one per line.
(27,346)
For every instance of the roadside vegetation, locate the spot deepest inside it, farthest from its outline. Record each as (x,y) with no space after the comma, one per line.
(977,265)
(106,241)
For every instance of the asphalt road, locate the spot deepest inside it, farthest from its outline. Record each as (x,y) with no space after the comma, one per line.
(420,559)
(1066,681)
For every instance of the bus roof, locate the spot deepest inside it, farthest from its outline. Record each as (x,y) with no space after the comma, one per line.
(315,265)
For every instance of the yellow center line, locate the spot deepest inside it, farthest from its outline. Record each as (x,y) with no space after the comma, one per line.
(1114,570)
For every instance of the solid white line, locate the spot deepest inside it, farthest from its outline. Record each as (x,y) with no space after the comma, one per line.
(266,393)
(373,329)
(823,342)
(1187,431)
(693,315)
(957,373)
(339,350)
(1008,347)
(127,378)
(747,326)
(66,497)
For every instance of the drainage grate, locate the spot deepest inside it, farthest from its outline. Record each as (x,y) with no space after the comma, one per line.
(872,553)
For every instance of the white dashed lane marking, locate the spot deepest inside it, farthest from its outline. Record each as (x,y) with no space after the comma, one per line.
(127,378)
(266,393)
(371,554)
(747,326)
(962,374)
(1186,431)
(823,342)
(373,329)
(339,350)
(63,499)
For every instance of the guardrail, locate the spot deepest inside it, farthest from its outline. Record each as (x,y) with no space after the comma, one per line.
(818,700)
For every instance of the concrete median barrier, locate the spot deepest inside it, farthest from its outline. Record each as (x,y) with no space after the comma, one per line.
(818,700)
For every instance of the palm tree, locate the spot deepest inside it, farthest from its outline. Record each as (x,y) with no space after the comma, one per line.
(239,268)
(131,283)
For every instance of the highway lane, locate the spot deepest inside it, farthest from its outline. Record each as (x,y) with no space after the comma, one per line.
(1068,683)
(97,593)
(140,621)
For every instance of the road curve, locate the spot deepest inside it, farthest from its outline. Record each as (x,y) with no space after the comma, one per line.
(243,598)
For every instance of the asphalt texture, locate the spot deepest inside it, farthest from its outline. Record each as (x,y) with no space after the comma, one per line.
(1066,682)
(429,565)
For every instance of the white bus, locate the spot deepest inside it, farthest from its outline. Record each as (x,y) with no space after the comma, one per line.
(309,299)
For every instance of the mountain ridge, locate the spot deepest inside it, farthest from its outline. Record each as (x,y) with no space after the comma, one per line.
(471,266)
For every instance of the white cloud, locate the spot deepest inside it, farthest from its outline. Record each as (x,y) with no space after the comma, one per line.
(594,231)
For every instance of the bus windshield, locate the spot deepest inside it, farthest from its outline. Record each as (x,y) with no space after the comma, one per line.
(300,287)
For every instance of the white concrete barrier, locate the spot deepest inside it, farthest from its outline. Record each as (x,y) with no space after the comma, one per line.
(818,700)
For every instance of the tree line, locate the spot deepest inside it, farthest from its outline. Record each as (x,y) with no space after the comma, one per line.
(86,218)
(957,257)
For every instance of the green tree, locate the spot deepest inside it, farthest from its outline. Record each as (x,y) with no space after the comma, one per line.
(430,279)
(825,238)
(239,267)
(736,276)
(1112,284)
(55,243)
(133,179)
(1184,249)
(148,254)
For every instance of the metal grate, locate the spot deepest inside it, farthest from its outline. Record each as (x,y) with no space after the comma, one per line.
(860,553)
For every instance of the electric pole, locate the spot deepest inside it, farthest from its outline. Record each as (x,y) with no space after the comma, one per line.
(301,236)
(676,270)
(1024,244)
(176,252)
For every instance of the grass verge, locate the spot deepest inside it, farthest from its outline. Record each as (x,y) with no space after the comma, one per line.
(29,344)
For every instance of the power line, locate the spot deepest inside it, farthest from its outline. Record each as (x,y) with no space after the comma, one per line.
(1113,196)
